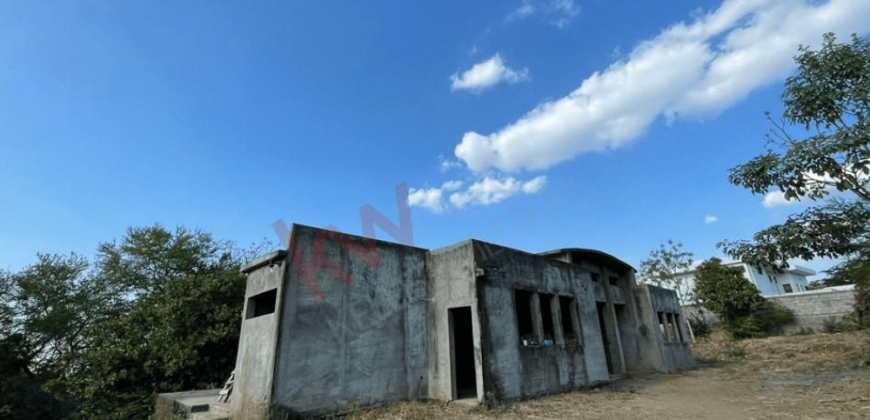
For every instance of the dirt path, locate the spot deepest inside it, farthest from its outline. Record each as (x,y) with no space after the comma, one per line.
(799,377)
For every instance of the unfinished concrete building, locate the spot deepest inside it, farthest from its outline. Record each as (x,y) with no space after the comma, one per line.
(338,321)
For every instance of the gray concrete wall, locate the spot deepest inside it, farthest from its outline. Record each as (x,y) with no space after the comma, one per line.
(257,340)
(674,344)
(512,370)
(451,277)
(360,344)
(618,312)
(813,308)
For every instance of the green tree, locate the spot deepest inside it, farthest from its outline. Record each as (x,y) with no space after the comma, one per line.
(725,291)
(663,265)
(149,258)
(176,328)
(55,300)
(183,338)
(829,99)
(44,308)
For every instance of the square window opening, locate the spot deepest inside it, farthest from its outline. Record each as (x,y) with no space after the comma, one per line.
(262,304)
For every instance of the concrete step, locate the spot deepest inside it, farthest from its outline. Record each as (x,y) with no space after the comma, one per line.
(197,405)
(209,416)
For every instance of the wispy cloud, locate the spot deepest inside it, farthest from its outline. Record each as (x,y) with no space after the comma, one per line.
(486,191)
(691,70)
(710,219)
(432,198)
(447,164)
(562,12)
(487,74)
(520,13)
(491,190)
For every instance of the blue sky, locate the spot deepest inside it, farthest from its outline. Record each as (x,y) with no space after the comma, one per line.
(537,124)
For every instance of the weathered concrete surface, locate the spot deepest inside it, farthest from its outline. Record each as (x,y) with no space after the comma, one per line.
(358,322)
(451,284)
(258,339)
(194,405)
(673,345)
(811,309)
(512,370)
(365,343)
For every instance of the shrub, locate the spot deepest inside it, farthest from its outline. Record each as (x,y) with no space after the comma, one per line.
(831,325)
(746,327)
(766,321)
(804,331)
(699,327)
(775,316)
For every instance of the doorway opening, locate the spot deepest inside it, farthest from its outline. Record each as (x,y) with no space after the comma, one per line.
(462,353)
(605,336)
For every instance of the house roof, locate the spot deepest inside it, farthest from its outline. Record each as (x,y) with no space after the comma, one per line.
(793,269)
(591,255)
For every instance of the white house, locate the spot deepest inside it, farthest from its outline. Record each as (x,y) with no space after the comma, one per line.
(769,282)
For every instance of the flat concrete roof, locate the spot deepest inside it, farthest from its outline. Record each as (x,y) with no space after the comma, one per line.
(265,259)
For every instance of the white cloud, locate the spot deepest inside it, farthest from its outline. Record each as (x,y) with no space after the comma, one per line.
(491,190)
(432,198)
(562,12)
(521,13)
(448,164)
(534,185)
(710,219)
(691,70)
(451,185)
(487,74)
(486,191)
(429,198)
(777,199)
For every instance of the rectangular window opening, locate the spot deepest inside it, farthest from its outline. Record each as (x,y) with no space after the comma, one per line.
(662,327)
(570,329)
(547,318)
(614,280)
(261,304)
(786,288)
(523,304)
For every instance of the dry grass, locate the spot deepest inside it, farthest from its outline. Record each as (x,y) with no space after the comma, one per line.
(788,377)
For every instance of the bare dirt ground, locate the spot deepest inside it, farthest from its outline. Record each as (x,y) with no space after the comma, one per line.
(820,376)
